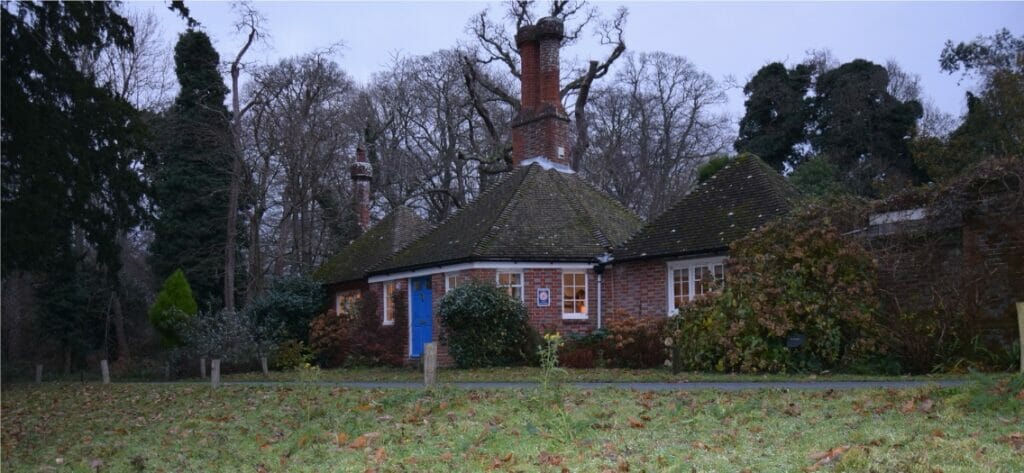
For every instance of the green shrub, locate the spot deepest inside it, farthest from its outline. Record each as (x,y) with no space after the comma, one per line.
(292,354)
(796,276)
(585,350)
(483,326)
(290,304)
(172,310)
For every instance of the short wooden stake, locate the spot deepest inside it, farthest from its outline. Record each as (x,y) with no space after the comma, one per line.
(39,373)
(263,365)
(215,372)
(202,368)
(105,370)
(1020,327)
(430,364)
(167,371)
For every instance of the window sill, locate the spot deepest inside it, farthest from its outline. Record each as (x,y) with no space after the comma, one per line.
(574,317)
(388,324)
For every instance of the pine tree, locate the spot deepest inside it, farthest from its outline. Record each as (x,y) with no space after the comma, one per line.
(191,177)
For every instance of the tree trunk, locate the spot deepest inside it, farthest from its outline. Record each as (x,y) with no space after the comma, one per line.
(123,354)
(230,241)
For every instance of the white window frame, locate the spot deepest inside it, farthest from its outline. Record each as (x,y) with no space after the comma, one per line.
(521,285)
(395,286)
(586,296)
(447,281)
(689,266)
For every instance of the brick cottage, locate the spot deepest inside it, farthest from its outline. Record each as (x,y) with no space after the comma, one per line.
(571,253)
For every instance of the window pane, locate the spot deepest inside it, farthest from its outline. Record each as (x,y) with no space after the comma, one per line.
(567,279)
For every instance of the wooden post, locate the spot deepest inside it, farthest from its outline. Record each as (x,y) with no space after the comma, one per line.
(202,368)
(167,371)
(430,364)
(105,371)
(39,373)
(215,372)
(263,365)
(1020,328)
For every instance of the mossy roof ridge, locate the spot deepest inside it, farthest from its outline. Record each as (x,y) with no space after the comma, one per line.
(390,235)
(740,197)
(534,214)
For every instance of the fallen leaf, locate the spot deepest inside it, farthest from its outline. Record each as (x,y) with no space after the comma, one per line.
(363,441)
(1015,439)
(824,458)
(446,456)
(938,433)
(907,407)
(342,439)
(635,423)
(546,458)
(793,409)
(380,455)
(926,405)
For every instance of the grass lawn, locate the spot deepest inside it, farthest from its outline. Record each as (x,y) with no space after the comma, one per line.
(188,427)
(572,375)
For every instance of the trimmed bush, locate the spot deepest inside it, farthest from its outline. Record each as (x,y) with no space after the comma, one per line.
(483,326)
(172,310)
(329,338)
(635,342)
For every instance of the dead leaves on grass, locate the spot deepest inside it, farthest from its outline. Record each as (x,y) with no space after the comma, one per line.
(827,457)
(1016,440)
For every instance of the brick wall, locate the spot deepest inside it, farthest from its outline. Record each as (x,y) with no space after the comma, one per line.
(976,266)
(637,288)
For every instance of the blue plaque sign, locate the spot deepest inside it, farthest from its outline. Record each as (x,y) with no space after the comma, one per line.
(543,297)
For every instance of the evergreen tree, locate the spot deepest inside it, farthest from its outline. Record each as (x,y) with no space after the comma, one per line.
(173,309)
(69,144)
(864,130)
(191,173)
(777,114)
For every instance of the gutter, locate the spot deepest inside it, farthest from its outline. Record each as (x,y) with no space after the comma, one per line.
(602,261)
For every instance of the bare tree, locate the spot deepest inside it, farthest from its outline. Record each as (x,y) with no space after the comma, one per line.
(652,127)
(300,142)
(144,74)
(432,122)
(250,22)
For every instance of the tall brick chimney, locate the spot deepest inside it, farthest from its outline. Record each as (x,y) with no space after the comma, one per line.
(362,173)
(540,131)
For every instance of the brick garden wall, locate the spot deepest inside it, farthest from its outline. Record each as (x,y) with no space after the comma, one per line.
(977,265)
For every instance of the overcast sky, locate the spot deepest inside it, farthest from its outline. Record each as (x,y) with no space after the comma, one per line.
(722,39)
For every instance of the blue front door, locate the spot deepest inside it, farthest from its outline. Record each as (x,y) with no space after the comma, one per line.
(422,319)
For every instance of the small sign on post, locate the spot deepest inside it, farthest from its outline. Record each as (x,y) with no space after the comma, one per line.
(105,371)
(214,372)
(429,364)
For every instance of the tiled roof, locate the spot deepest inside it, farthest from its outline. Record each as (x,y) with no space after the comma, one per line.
(737,199)
(533,214)
(382,240)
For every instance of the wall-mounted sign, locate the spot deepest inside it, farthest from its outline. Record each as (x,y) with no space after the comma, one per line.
(543,297)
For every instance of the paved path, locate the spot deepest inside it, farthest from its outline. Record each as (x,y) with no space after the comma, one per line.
(686,386)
